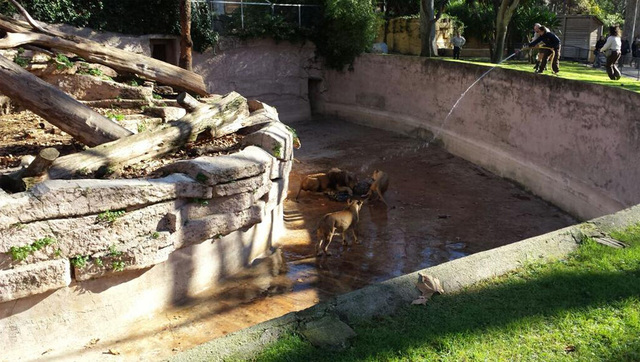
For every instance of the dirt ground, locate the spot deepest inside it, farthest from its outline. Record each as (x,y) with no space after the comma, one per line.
(440,208)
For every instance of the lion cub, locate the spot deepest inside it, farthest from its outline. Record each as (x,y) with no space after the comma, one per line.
(379,186)
(338,222)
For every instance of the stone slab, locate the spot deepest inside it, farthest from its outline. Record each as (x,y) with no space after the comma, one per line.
(87,235)
(328,332)
(64,198)
(275,138)
(32,279)
(199,208)
(251,161)
(248,185)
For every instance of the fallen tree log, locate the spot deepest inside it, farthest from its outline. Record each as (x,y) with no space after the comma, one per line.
(20,33)
(58,108)
(13,182)
(221,115)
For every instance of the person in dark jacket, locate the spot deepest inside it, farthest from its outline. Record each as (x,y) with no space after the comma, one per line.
(596,52)
(552,43)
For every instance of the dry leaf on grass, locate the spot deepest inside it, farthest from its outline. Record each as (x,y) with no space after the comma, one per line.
(428,286)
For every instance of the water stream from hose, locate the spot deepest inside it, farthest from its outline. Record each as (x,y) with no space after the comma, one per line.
(437,133)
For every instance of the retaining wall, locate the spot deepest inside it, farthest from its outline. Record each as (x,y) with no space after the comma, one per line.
(79,257)
(572,143)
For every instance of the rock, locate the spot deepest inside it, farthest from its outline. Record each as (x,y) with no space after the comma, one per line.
(328,332)
(239,186)
(249,162)
(274,138)
(89,88)
(63,198)
(166,113)
(31,279)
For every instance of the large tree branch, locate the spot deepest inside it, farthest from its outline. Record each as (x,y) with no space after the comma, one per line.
(30,20)
(221,116)
(120,60)
(57,107)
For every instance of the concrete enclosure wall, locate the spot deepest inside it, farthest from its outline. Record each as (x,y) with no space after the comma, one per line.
(77,253)
(574,144)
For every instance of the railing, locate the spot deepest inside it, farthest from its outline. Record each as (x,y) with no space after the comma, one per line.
(223,12)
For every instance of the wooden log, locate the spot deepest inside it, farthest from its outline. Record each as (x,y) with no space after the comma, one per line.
(19,33)
(225,115)
(57,107)
(14,182)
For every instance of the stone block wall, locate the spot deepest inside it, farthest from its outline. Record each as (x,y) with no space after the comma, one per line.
(65,231)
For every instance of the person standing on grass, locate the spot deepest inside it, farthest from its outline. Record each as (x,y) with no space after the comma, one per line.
(613,45)
(552,42)
(457,41)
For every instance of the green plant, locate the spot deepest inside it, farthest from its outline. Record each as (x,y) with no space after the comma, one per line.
(155,235)
(114,252)
(110,216)
(133,83)
(142,126)
(83,171)
(115,116)
(17,225)
(277,150)
(199,201)
(79,261)
(156,96)
(62,62)
(118,265)
(201,177)
(348,28)
(19,253)
(98,262)
(58,253)
(20,60)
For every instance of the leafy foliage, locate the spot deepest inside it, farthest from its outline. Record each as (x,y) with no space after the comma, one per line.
(19,253)
(525,17)
(348,28)
(127,17)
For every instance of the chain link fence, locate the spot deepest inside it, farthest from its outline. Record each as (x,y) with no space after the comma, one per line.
(227,16)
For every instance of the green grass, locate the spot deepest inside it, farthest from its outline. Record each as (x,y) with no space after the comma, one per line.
(582,308)
(568,70)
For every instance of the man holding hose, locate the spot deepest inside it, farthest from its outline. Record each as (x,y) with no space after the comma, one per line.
(551,45)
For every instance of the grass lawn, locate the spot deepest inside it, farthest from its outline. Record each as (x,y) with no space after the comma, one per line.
(568,70)
(583,308)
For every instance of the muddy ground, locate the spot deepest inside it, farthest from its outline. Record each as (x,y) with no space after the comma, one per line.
(440,208)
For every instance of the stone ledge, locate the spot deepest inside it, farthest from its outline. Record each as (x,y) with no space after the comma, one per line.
(30,279)
(251,161)
(274,138)
(62,198)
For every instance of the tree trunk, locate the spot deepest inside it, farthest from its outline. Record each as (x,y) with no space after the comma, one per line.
(19,33)
(507,8)
(185,31)
(55,106)
(427,29)
(222,116)
(14,182)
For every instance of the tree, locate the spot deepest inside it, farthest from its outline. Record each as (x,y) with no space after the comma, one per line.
(505,12)
(428,18)
(186,44)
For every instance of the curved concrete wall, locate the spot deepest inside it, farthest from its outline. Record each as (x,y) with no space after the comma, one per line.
(574,144)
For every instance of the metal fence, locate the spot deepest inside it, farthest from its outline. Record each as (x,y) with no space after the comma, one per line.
(226,14)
